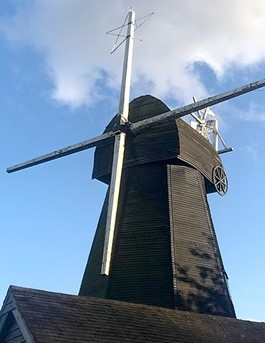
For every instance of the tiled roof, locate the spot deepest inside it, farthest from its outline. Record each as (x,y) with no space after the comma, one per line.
(55,317)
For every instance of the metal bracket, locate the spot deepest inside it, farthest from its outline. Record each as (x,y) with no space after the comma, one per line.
(122,126)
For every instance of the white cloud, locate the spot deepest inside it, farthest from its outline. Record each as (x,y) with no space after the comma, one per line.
(70,34)
(253,152)
(254,113)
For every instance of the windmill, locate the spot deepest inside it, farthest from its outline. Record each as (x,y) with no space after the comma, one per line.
(123,143)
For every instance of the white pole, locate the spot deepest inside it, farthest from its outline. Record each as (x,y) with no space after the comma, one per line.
(127,68)
(119,147)
(215,134)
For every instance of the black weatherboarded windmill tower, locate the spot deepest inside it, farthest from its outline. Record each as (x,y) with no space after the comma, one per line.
(165,250)
(155,242)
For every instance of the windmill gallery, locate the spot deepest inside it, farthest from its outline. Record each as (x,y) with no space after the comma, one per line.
(154,272)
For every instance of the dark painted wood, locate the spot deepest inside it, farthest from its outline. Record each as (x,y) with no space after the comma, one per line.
(10,331)
(199,276)
(174,139)
(165,250)
(141,269)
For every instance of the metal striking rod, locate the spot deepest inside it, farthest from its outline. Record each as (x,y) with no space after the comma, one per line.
(119,147)
(89,143)
(199,105)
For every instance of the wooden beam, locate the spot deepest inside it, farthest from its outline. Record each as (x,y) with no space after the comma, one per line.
(193,107)
(87,144)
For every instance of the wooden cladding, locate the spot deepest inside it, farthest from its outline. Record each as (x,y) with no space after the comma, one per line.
(165,250)
(141,269)
(199,276)
(166,142)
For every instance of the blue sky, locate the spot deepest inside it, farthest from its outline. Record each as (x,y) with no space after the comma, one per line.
(59,85)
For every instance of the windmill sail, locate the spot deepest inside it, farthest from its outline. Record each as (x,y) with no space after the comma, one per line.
(142,124)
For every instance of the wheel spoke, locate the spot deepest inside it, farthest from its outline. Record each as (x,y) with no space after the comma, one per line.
(220,180)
